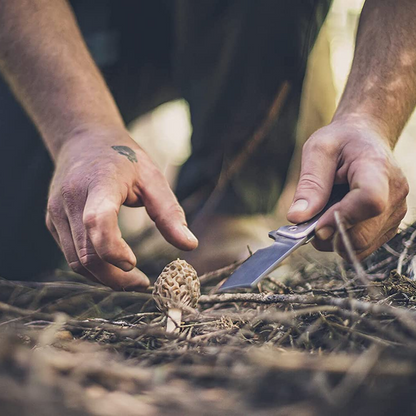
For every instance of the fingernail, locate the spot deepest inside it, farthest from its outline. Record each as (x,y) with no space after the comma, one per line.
(125,266)
(188,233)
(299,206)
(325,233)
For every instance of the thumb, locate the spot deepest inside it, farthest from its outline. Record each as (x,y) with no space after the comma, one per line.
(169,217)
(317,175)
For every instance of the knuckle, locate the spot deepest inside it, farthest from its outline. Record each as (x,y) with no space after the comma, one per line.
(399,184)
(405,189)
(177,209)
(322,144)
(398,212)
(94,218)
(310,182)
(90,220)
(374,205)
(68,190)
(89,260)
(49,224)
(54,208)
(77,267)
(402,186)
(165,216)
(360,241)
(110,253)
(107,256)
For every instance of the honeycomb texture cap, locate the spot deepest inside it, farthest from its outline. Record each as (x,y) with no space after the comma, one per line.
(177,286)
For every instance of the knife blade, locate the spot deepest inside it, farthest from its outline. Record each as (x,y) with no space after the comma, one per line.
(287,239)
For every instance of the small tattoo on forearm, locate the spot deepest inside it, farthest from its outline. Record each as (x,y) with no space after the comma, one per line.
(126,151)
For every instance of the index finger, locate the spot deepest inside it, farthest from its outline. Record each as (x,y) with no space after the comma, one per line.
(368,197)
(100,219)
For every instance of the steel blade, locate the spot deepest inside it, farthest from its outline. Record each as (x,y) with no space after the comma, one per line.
(261,263)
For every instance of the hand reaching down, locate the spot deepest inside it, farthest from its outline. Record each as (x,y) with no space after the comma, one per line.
(97,171)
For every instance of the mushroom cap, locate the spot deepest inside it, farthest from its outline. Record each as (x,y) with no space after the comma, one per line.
(177,286)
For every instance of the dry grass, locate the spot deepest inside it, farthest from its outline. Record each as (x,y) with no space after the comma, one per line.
(321,342)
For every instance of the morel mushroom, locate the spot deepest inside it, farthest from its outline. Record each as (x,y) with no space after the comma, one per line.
(177,287)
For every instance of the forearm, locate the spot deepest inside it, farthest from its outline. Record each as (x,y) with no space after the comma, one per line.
(46,62)
(381,88)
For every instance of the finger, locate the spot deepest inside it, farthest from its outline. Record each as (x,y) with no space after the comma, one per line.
(51,227)
(102,271)
(319,164)
(371,234)
(361,236)
(376,245)
(368,198)
(169,217)
(62,234)
(366,236)
(110,275)
(100,218)
(327,245)
(383,240)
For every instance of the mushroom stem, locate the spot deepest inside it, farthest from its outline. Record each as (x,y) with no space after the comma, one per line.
(174,320)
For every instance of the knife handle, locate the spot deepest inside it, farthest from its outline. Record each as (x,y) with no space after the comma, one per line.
(307,229)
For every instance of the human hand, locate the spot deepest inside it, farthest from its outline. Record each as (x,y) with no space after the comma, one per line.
(353,152)
(97,171)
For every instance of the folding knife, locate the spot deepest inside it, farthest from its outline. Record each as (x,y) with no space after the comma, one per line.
(287,239)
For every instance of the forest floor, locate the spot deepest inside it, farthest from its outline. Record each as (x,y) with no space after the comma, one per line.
(326,339)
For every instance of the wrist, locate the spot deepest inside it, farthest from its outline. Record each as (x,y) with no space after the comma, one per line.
(363,120)
(87,134)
